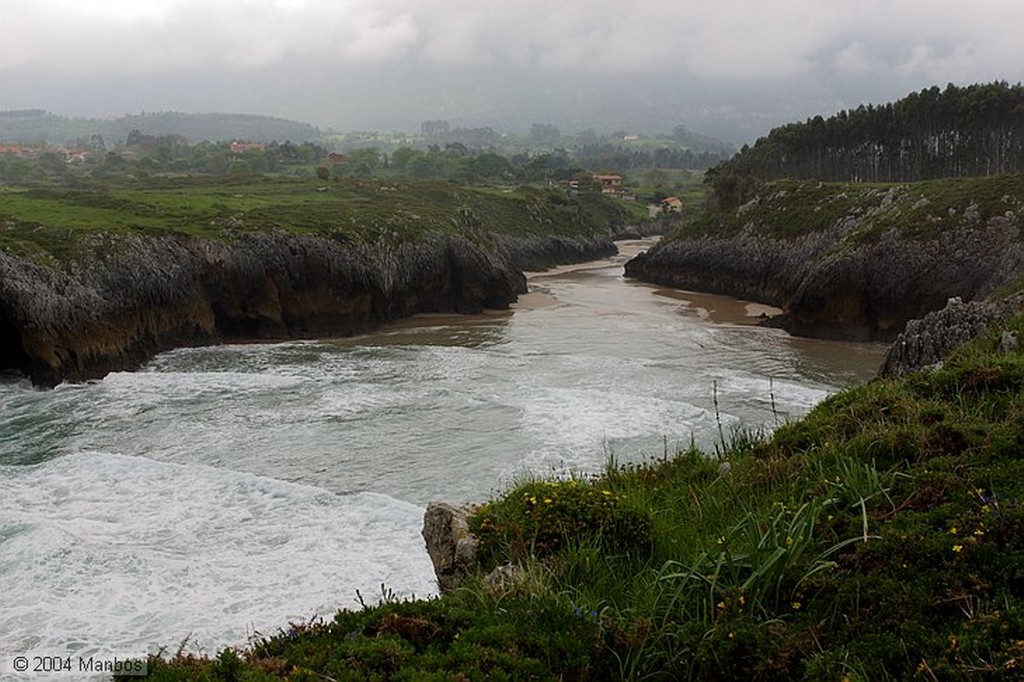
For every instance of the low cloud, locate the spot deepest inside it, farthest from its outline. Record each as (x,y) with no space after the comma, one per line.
(807,53)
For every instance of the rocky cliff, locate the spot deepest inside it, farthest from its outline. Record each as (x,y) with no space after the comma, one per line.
(847,261)
(927,341)
(134,296)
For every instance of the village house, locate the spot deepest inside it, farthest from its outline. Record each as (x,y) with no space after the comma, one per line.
(671,205)
(240,147)
(76,155)
(610,183)
(21,150)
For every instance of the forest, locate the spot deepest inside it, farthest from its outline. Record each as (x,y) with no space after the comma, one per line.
(977,130)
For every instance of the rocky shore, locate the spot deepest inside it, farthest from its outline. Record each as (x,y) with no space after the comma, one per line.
(139,295)
(850,264)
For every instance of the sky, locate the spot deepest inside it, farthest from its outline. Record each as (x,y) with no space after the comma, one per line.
(731,68)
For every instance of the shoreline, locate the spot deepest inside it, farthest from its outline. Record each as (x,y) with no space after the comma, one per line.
(717,309)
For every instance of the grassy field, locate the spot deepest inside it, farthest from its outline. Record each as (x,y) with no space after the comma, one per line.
(881,537)
(790,208)
(51,222)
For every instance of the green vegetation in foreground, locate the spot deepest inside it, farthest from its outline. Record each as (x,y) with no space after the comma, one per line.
(52,223)
(881,537)
(787,209)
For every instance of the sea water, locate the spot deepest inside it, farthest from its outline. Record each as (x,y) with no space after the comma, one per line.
(220,493)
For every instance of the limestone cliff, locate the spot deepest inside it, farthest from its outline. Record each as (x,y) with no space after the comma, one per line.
(848,261)
(132,297)
(927,341)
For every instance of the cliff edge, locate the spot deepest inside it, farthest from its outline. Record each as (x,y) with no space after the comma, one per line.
(849,261)
(135,296)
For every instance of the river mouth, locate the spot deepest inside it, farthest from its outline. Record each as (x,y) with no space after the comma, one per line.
(225,489)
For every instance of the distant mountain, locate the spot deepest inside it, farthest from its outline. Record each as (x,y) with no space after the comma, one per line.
(35,126)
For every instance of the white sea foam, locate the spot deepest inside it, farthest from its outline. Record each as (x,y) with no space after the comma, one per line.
(110,554)
(123,553)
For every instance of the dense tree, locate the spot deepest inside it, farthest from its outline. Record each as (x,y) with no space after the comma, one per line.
(969,131)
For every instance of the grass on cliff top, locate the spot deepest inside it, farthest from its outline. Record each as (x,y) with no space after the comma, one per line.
(880,537)
(788,209)
(52,222)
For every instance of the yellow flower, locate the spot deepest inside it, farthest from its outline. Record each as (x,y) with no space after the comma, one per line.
(953,530)
(721,604)
(795,606)
(547,500)
(742,600)
(979,532)
(957,548)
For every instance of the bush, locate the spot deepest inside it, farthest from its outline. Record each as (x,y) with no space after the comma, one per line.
(540,517)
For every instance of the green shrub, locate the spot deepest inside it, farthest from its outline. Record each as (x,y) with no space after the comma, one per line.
(539,517)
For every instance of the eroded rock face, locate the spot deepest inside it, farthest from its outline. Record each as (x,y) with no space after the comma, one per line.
(927,341)
(452,548)
(830,286)
(136,296)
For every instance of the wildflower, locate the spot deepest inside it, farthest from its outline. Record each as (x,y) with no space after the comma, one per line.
(795,605)
(742,600)
(721,605)
(953,530)
(547,500)
(957,548)
(979,532)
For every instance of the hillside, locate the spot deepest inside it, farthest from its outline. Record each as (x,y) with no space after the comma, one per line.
(94,281)
(36,126)
(850,260)
(956,132)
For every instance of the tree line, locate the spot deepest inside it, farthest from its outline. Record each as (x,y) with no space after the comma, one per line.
(976,130)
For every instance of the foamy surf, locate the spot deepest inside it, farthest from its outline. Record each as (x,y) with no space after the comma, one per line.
(110,554)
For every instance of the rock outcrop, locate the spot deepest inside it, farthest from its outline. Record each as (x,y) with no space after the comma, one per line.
(132,297)
(927,341)
(452,548)
(883,258)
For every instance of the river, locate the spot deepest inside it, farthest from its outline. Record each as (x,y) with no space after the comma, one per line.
(225,491)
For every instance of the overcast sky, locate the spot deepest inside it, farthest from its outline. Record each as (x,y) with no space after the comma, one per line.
(728,67)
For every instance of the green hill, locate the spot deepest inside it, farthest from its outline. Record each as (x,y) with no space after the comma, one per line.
(36,126)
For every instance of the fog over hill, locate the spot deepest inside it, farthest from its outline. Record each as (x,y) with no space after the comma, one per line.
(732,70)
